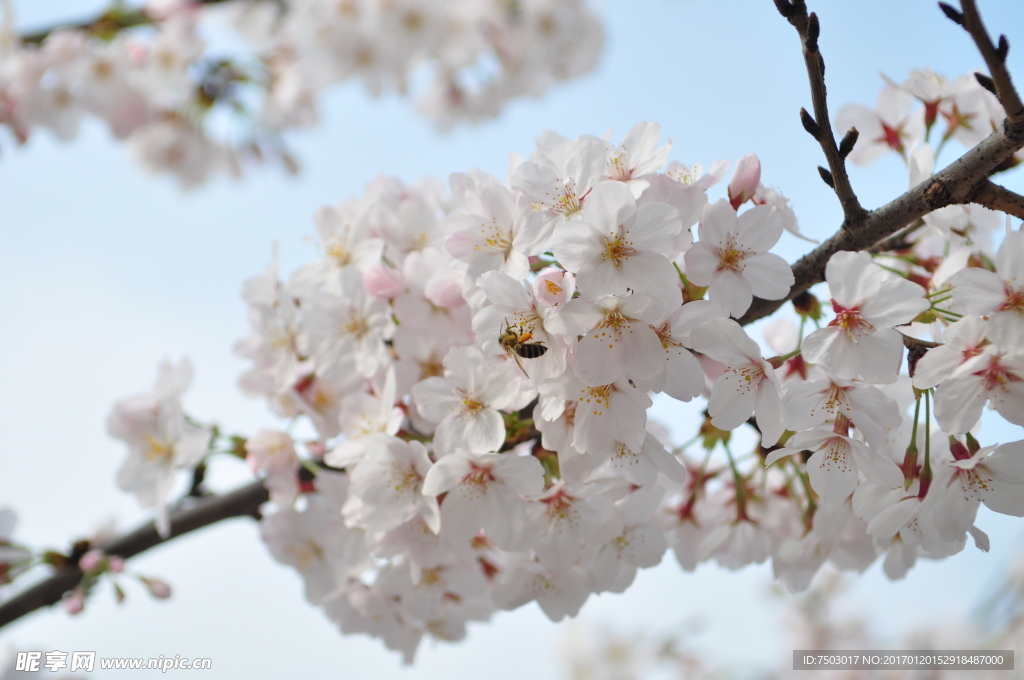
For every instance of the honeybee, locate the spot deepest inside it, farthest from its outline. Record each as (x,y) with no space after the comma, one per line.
(514,341)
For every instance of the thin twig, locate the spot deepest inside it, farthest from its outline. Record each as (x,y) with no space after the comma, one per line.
(912,343)
(820,127)
(995,59)
(897,241)
(242,502)
(961,182)
(109,22)
(1000,198)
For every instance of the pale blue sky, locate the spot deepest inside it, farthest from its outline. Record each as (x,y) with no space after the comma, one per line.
(105,270)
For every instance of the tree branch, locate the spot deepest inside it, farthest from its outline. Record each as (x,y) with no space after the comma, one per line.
(107,23)
(995,59)
(242,502)
(897,241)
(1000,198)
(820,127)
(963,181)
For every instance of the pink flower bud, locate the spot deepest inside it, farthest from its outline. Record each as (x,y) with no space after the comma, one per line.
(157,588)
(115,563)
(959,451)
(74,602)
(91,561)
(554,286)
(745,179)
(444,289)
(383,282)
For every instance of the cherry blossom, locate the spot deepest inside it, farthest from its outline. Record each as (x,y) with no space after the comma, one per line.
(362,416)
(568,518)
(964,340)
(557,188)
(615,246)
(465,403)
(619,340)
(992,475)
(159,85)
(273,452)
(160,439)
(999,294)
(748,385)
(349,323)
(636,156)
(604,415)
(731,256)
(641,467)
(559,595)
(681,377)
(387,485)
(890,126)
(989,376)
(484,493)
(771,197)
(12,556)
(814,402)
(868,303)
(442,483)
(835,463)
(639,545)
(495,235)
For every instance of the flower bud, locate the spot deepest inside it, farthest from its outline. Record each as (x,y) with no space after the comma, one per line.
(157,588)
(383,282)
(745,179)
(957,448)
(74,602)
(91,561)
(115,563)
(444,289)
(807,305)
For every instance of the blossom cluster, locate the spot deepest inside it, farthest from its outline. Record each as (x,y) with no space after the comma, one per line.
(968,111)
(167,90)
(821,620)
(478,360)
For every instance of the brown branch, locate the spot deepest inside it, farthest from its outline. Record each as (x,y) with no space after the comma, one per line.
(897,241)
(912,343)
(242,502)
(1000,198)
(820,127)
(959,183)
(963,181)
(995,59)
(106,24)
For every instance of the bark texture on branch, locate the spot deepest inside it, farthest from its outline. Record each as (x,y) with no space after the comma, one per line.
(1000,198)
(241,502)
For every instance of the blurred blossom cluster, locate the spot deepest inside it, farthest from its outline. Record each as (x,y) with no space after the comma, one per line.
(906,115)
(185,107)
(818,620)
